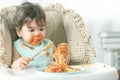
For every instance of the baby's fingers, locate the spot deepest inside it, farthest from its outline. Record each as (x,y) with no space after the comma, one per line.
(25,60)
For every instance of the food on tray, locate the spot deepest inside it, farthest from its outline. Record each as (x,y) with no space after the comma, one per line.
(60,68)
(61,60)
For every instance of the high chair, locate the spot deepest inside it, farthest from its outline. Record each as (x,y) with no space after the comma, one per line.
(63,25)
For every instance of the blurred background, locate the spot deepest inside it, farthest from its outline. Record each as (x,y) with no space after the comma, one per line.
(100,16)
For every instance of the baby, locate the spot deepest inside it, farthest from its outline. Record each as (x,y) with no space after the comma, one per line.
(30,21)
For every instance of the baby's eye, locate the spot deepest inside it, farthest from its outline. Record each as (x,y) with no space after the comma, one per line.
(31,30)
(41,29)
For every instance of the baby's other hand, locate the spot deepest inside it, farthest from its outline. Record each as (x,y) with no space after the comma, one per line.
(21,63)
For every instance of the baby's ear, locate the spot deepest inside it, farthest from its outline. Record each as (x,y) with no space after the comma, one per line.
(19,32)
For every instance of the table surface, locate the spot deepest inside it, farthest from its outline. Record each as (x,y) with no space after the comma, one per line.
(96,71)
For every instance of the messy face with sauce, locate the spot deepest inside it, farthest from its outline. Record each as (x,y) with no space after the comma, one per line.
(33,32)
(30,20)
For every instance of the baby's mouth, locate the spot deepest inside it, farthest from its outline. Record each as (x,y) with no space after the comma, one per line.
(37,41)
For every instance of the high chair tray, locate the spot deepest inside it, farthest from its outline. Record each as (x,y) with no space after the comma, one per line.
(96,71)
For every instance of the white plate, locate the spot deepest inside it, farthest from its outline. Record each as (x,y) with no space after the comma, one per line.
(61,73)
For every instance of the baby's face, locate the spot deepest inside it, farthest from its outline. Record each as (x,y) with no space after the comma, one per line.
(32,33)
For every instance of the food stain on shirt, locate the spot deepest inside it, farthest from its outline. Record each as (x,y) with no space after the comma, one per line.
(25,45)
(47,53)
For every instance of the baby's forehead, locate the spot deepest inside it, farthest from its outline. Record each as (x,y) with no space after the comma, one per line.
(34,22)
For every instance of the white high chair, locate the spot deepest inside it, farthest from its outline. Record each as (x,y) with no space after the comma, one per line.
(63,25)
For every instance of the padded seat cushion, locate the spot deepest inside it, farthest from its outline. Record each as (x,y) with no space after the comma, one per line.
(62,26)
(78,39)
(55,28)
(5,43)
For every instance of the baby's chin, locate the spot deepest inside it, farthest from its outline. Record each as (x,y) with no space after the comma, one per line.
(35,43)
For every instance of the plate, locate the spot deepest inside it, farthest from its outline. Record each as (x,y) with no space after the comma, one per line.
(40,70)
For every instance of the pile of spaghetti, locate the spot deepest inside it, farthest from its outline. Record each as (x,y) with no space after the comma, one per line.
(61,57)
(61,68)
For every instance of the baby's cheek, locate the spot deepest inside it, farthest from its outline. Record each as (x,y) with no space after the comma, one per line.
(30,40)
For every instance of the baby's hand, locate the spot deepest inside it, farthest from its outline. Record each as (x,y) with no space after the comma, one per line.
(20,63)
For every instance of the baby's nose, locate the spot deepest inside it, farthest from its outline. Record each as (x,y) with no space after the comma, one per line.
(37,32)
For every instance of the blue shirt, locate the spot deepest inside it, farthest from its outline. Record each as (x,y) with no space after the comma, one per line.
(44,59)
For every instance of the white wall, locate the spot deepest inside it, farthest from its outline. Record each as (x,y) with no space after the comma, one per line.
(98,15)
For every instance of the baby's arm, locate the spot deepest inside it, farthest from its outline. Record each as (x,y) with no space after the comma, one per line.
(19,62)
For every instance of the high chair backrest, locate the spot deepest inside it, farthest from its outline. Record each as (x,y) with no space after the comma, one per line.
(63,25)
